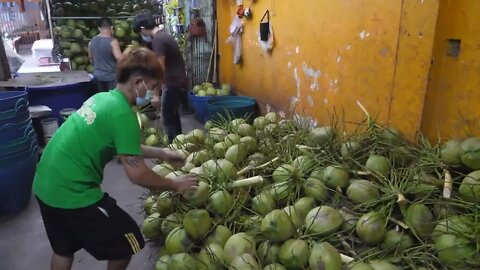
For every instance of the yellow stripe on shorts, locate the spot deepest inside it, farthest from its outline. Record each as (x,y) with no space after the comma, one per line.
(133,242)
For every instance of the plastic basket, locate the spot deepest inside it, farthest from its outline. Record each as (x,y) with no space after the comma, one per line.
(199,105)
(15,116)
(17,146)
(9,133)
(231,107)
(16,184)
(9,100)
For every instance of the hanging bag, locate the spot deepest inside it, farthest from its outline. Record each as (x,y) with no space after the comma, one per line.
(265,27)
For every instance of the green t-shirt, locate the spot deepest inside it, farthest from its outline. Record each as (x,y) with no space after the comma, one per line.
(70,171)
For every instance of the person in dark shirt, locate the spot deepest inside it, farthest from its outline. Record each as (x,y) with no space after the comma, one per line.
(104,52)
(171,58)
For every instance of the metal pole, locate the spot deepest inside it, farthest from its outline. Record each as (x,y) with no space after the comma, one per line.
(49,18)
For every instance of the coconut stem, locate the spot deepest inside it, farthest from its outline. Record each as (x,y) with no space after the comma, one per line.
(268,163)
(245,170)
(346,259)
(251,167)
(247,182)
(399,223)
(447,188)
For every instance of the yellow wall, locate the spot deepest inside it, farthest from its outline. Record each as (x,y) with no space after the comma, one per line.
(452,107)
(376,52)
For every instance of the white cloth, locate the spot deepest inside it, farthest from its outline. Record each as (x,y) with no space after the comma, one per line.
(236,30)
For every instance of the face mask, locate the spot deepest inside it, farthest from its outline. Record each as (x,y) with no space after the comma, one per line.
(149,94)
(147,39)
(140,101)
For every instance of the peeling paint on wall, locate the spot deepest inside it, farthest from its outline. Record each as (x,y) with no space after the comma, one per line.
(325,101)
(294,100)
(289,65)
(310,72)
(364,35)
(310,101)
(268,108)
(348,47)
(297,50)
(339,59)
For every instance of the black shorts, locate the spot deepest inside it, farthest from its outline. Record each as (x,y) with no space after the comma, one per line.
(103,229)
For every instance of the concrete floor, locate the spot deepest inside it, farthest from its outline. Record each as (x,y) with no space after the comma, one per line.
(24,244)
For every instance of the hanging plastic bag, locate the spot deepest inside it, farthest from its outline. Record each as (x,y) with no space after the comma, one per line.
(236,30)
(265,36)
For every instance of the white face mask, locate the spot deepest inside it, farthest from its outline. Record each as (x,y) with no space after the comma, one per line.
(150,93)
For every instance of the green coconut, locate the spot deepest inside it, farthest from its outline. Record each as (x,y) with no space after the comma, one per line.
(294,254)
(323,220)
(174,175)
(325,256)
(274,266)
(267,252)
(263,203)
(249,144)
(171,222)
(304,164)
(246,130)
(162,262)
(244,262)
(470,155)
(285,172)
(280,192)
(236,154)
(349,219)
(304,205)
(361,191)
(462,226)
(378,164)
(196,136)
(401,155)
(178,241)
(454,250)
(187,167)
(257,159)
(220,149)
(420,219)
(295,217)
(371,228)
(199,196)
(219,236)
(335,177)
(163,169)
(470,188)
(217,134)
(237,245)
(180,139)
(232,139)
(197,171)
(272,117)
(182,261)
(383,265)
(315,188)
(276,226)
(361,266)
(198,158)
(151,227)
(210,257)
(237,122)
(197,222)
(322,135)
(397,241)
(349,150)
(259,123)
(220,202)
(164,204)
(148,203)
(221,169)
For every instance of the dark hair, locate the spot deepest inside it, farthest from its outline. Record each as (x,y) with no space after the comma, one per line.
(138,62)
(105,22)
(144,19)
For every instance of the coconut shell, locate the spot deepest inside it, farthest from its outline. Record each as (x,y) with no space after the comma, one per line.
(294,254)
(276,226)
(451,152)
(323,220)
(397,241)
(420,219)
(335,177)
(383,265)
(316,189)
(361,266)
(470,188)
(325,256)
(371,228)
(453,250)
(361,191)
(378,164)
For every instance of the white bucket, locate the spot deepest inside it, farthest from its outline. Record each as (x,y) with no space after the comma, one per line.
(49,127)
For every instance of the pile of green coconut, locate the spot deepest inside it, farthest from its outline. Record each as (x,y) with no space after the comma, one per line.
(281,194)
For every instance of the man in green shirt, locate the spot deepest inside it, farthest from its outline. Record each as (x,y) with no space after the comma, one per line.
(76,212)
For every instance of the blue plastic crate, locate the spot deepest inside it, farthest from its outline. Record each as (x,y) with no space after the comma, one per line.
(16,184)
(10,100)
(15,116)
(20,146)
(9,133)
(231,107)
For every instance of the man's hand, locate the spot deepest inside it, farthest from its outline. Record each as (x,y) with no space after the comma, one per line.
(184,183)
(173,158)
